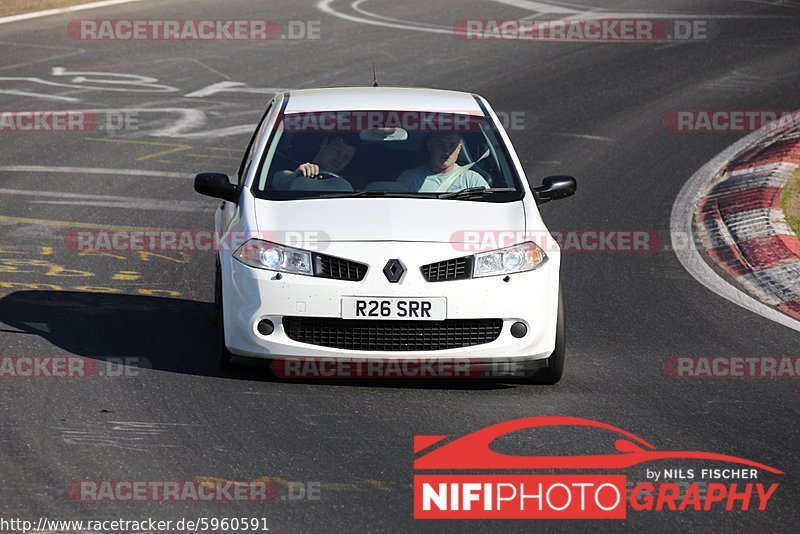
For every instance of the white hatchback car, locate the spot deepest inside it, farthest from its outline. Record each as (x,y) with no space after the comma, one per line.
(387,223)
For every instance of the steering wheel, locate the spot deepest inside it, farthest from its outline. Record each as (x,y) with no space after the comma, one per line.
(326,175)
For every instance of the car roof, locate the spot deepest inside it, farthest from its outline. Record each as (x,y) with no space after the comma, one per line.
(382,98)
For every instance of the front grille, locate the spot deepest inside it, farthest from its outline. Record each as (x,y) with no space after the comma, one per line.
(455,269)
(338,268)
(383,335)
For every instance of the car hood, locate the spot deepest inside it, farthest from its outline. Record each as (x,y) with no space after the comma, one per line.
(384,219)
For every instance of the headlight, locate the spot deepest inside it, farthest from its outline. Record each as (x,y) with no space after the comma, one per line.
(266,255)
(519,258)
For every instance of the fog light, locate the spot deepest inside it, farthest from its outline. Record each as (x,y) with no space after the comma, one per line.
(265,327)
(519,329)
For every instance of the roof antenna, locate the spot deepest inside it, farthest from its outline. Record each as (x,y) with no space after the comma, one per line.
(374,76)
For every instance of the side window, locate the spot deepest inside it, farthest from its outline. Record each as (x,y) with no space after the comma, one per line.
(251,148)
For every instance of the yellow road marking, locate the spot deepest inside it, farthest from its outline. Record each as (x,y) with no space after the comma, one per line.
(47,251)
(180,148)
(159,292)
(100,253)
(126,276)
(98,289)
(53,269)
(24,285)
(58,270)
(68,224)
(91,289)
(173,162)
(211,157)
(145,256)
(175,147)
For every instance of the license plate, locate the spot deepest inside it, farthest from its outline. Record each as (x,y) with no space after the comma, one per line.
(425,309)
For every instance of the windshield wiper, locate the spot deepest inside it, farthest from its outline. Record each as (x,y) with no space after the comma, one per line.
(372,193)
(352,194)
(473,192)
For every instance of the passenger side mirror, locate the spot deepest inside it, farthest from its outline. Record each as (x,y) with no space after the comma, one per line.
(555,188)
(217,185)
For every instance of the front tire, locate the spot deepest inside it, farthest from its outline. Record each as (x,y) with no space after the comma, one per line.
(223,354)
(551,374)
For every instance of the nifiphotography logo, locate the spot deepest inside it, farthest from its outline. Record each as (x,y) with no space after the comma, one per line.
(465,478)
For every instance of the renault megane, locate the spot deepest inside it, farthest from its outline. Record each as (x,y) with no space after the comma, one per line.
(387,223)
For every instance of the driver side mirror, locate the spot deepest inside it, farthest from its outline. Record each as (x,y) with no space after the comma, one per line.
(555,188)
(217,185)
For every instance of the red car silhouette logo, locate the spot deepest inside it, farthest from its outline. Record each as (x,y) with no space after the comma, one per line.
(473,450)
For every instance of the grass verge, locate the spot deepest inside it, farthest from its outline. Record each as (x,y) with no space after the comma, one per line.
(790,201)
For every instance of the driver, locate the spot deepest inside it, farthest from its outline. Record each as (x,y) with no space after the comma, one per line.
(334,154)
(441,172)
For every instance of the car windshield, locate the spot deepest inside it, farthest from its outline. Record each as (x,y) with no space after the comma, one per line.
(386,154)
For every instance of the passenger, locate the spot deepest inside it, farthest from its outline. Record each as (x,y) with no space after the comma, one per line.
(441,173)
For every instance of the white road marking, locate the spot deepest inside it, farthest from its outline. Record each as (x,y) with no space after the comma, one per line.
(59,11)
(138,204)
(131,435)
(541,7)
(357,7)
(133,83)
(84,196)
(582,136)
(39,95)
(94,170)
(232,87)
(537,8)
(48,59)
(117,78)
(219,132)
(111,201)
(190,119)
(208,68)
(145,427)
(32,45)
(596,13)
(39,81)
(577,136)
(189,125)
(681,226)
(326,7)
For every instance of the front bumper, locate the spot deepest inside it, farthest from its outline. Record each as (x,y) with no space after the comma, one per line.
(251,295)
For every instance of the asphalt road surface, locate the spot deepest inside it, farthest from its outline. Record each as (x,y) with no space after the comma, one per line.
(589,109)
